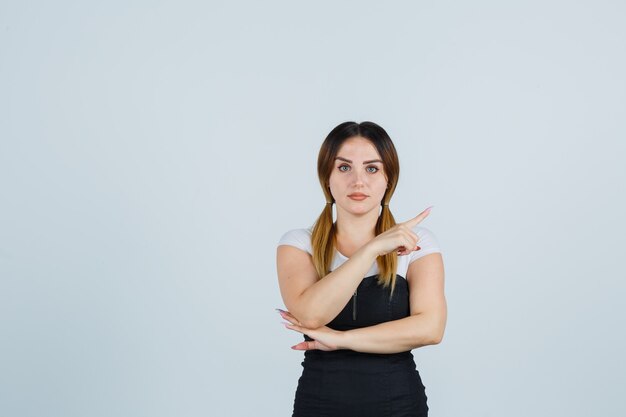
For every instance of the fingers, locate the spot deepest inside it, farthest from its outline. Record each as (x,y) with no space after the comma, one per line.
(293,327)
(288,316)
(304,346)
(300,346)
(403,251)
(409,240)
(291,323)
(417,219)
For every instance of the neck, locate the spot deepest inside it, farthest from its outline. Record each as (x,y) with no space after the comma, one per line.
(357,228)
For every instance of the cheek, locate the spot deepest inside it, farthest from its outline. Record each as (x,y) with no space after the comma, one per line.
(334,180)
(381,182)
(332,185)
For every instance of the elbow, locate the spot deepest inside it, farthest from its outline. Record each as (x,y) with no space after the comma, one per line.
(425,340)
(433,336)
(312,323)
(429,331)
(436,337)
(315,321)
(438,327)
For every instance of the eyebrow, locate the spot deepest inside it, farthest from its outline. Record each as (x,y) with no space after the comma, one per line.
(364,162)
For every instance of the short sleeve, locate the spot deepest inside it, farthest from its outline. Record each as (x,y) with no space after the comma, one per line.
(300,238)
(427,241)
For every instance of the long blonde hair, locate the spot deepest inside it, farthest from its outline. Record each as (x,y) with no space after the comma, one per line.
(323,237)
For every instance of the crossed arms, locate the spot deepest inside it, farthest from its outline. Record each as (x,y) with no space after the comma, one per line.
(313,303)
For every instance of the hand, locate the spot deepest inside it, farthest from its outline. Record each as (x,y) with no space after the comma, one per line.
(324,337)
(399,238)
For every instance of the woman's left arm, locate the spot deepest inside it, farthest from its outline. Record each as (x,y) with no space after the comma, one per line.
(427,320)
(424,326)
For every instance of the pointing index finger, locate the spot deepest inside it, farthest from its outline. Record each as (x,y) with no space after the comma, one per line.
(417,219)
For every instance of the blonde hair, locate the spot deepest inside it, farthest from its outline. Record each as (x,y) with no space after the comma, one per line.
(323,237)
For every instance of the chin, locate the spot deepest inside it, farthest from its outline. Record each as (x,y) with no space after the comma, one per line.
(361,209)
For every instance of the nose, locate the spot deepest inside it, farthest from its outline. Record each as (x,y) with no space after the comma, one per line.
(359,177)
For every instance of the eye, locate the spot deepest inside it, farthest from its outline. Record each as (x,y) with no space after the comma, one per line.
(376,169)
(343,166)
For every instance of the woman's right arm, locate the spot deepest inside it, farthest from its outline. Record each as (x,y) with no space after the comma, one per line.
(317,302)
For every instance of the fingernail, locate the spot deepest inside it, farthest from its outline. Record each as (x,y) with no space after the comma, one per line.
(429,208)
(279,310)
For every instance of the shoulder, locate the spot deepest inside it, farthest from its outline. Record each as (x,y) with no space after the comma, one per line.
(427,241)
(300,238)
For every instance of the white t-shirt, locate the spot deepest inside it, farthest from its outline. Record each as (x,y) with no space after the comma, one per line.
(427,241)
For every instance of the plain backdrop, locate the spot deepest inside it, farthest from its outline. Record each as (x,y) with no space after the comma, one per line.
(152,153)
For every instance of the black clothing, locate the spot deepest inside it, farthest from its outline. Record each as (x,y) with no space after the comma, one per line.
(346,383)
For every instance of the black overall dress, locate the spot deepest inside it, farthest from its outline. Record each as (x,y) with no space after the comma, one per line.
(345,383)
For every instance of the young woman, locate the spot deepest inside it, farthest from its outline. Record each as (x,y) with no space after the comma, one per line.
(363,290)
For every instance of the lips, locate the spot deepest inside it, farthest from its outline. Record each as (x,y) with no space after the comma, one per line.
(358,196)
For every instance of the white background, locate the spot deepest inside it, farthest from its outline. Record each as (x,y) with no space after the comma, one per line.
(153,153)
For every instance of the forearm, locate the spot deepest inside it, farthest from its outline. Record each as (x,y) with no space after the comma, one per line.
(396,336)
(325,299)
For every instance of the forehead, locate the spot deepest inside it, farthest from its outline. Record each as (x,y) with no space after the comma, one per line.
(358,148)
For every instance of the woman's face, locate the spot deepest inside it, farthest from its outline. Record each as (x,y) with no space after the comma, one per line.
(358,169)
